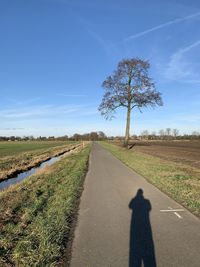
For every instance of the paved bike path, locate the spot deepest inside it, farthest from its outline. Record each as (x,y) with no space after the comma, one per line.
(125,221)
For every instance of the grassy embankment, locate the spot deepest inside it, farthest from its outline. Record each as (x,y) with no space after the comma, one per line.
(21,156)
(35,214)
(179,181)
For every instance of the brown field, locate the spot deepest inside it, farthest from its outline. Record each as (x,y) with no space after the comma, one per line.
(184,152)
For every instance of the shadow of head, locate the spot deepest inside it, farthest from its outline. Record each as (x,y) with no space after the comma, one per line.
(139,192)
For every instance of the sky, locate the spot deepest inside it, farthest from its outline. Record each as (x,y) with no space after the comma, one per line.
(55,54)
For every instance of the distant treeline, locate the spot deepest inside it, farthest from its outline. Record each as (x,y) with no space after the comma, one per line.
(93,136)
(163,134)
(167,134)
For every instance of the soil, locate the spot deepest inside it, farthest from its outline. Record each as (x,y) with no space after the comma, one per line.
(184,152)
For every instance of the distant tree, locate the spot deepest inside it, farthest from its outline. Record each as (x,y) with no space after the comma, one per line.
(101,135)
(64,138)
(2,138)
(129,86)
(153,135)
(145,134)
(162,133)
(195,133)
(76,137)
(134,137)
(12,138)
(31,138)
(175,132)
(168,131)
(94,136)
(51,138)
(18,138)
(86,136)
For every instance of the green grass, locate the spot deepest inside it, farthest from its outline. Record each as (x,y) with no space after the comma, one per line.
(14,148)
(181,182)
(35,215)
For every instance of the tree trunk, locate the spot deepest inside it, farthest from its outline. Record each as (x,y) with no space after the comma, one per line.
(127,126)
(128,112)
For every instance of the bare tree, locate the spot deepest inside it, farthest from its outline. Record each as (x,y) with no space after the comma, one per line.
(195,133)
(175,132)
(129,86)
(93,136)
(145,134)
(168,132)
(162,133)
(101,135)
(153,135)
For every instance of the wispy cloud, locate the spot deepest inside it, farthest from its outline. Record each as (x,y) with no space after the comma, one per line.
(190,118)
(22,102)
(99,40)
(25,112)
(72,95)
(88,27)
(178,68)
(11,129)
(161,26)
(46,111)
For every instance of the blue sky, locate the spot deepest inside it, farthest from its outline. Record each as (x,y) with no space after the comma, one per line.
(55,54)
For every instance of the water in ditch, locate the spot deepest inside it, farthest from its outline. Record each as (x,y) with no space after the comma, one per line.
(21,176)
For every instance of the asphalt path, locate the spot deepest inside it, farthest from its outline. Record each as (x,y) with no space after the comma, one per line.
(124,221)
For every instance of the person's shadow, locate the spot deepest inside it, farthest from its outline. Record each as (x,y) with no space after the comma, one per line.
(141,240)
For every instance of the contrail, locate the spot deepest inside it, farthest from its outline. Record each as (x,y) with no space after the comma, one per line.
(188,48)
(134,36)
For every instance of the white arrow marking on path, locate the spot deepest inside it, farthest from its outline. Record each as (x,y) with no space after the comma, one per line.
(178,215)
(174,211)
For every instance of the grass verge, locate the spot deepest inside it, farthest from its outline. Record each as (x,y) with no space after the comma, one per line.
(180,182)
(35,215)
